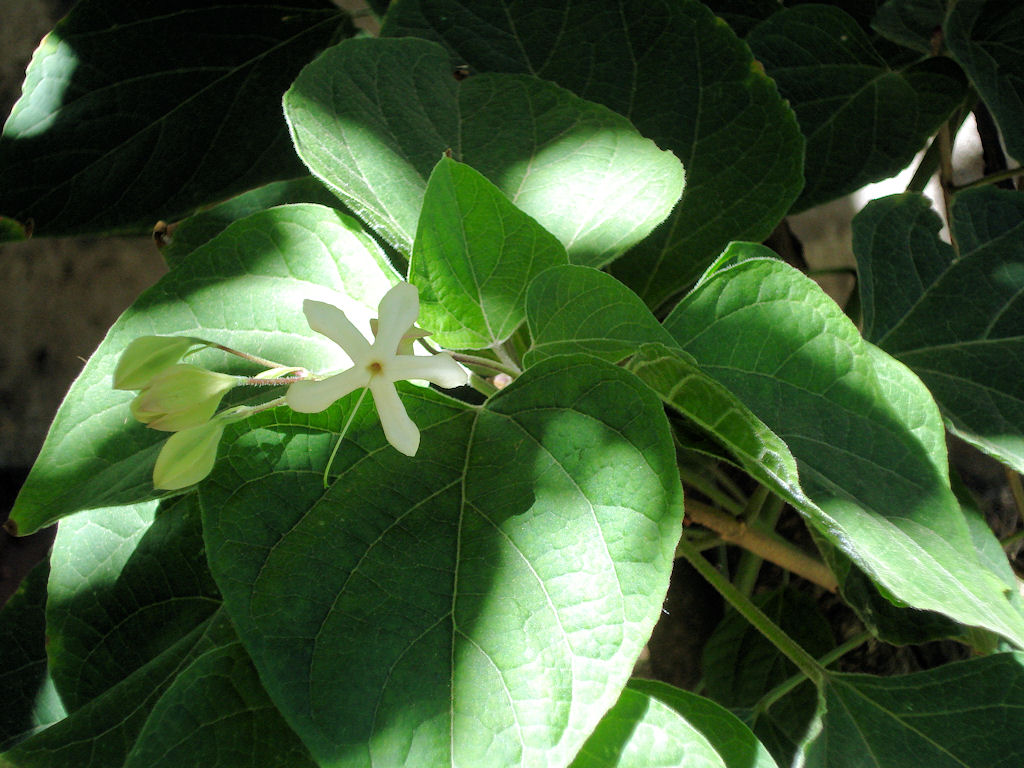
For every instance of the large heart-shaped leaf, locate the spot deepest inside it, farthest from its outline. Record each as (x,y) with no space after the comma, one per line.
(680,75)
(132,113)
(958,322)
(863,121)
(372,117)
(475,254)
(245,289)
(967,713)
(480,604)
(985,37)
(866,434)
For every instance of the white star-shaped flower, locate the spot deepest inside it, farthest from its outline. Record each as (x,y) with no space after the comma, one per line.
(376,365)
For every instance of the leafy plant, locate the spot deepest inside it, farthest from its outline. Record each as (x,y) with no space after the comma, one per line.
(278,570)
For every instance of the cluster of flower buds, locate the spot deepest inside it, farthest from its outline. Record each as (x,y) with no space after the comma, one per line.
(182,398)
(176,397)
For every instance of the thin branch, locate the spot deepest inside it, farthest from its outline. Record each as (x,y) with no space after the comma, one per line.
(772,549)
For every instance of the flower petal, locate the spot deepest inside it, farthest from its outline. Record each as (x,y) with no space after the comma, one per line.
(330,321)
(399,429)
(398,311)
(438,369)
(316,396)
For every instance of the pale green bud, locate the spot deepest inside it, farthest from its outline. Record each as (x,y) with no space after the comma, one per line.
(181,397)
(147,356)
(187,456)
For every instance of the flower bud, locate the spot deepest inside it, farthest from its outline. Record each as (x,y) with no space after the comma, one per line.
(181,397)
(187,456)
(147,356)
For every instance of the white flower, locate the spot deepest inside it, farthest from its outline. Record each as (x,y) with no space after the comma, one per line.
(377,366)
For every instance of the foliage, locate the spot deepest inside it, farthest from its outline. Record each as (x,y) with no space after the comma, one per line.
(577,189)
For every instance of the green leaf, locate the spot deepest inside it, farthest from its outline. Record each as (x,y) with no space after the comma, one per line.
(126,583)
(202,227)
(133,113)
(245,289)
(735,743)
(217,713)
(101,733)
(867,437)
(681,76)
(474,255)
(681,384)
(574,309)
(489,595)
(30,700)
(911,23)
(986,37)
(956,322)
(641,731)
(969,713)
(863,121)
(372,117)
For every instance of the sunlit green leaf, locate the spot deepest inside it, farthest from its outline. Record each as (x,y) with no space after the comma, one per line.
(680,75)
(372,117)
(480,604)
(245,289)
(867,437)
(958,322)
(474,255)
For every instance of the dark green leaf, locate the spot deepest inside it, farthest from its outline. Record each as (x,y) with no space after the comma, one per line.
(488,596)
(216,713)
(245,289)
(475,254)
(30,700)
(986,38)
(126,584)
(372,117)
(957,322)
(867,437)
(912,23)
(969,713)
(205,225)
(137,112)
(680,75)
(863,121)
(101,733)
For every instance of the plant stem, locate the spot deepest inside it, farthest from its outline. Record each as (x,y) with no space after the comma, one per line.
(709,489)
(789,684)
(772,549)
(789,647)
(766,516)
(992,178)
(486,362)
(250,358)
(506,358)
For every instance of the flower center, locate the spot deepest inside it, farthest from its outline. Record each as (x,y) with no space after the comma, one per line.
(374,368)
